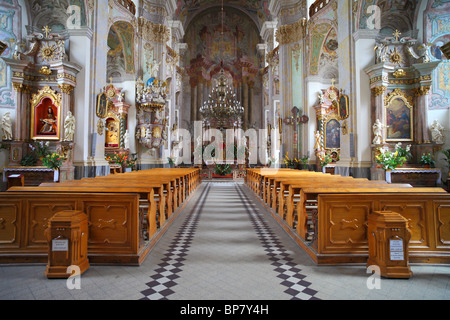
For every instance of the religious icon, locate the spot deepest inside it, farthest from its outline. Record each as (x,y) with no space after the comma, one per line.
(48,123)
(112,133)
(102,105)
(343,107)
(332,134)
(398,121)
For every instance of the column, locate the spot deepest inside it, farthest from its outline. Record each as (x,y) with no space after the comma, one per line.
(245,103)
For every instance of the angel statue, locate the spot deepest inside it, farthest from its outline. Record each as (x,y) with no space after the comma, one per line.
(7,126)
(437,132)
(378,132)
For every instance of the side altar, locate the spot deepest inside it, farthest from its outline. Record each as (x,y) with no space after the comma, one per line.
(43,123)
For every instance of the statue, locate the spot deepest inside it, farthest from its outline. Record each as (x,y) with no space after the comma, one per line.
(126,139)
(7,126)
(318,145)
(69,127)
(49,124)
(437,132)
(378,132)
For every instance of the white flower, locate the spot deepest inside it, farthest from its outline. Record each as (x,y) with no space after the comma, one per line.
(408,147)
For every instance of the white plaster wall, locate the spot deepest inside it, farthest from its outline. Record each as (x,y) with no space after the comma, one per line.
(363,59)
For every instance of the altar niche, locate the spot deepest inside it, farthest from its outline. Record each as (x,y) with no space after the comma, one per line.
(45,115)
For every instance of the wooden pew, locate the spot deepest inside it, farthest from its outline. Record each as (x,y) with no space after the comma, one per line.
(311,195)
(149,191)
(339,224)
(114,225)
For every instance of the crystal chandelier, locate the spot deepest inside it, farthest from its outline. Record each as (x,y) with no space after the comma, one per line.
(222,109)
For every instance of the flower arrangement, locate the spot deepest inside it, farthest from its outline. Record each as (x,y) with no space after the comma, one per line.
(325,160)
(427,159)
(290,163)
(53,161)
(389,160)
(222,169)
(271,160)
(38,151)
(117,159)
(404,152)
(171,160)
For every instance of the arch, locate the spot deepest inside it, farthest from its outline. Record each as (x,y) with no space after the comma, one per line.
(121,56)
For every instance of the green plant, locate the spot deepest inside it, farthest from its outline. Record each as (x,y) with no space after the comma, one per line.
(222,169)
(171,160)
(404,152)
(446,153)
(389,160)
(40,149)
(427,159)
(53,161)
(29,160)
(325,160)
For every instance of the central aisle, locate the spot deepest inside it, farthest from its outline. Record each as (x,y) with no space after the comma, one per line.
(224,249)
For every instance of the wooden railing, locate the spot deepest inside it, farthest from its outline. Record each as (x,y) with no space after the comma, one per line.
(317,6)
(129,5)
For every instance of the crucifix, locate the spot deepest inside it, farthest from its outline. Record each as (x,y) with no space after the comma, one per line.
(47,30)
(397,35)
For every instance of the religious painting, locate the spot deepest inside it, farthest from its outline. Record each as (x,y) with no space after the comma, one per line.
(45,115)
(343,107)
(399,125)
(112,136)
(332,134)
(102,105)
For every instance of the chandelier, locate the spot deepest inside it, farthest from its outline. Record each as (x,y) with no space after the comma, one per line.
(222,109)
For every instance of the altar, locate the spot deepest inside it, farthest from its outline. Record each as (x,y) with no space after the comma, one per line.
(417,177)
(33,176)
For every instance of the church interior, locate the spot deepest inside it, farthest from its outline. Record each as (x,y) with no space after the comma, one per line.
(254,150)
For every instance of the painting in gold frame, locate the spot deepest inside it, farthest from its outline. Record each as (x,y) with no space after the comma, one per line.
(46,115)
(103,104)
(398,118)
(343,107)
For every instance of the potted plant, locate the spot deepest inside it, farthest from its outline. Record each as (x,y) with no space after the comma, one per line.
(223,170)
(304,161)
(325,160)
(404,152)
(427,160)
(171,160)
(390,160)
(53,161)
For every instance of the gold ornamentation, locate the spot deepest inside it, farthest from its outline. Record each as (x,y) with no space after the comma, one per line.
(291,33)
(46,92)
(47,52)
(378,91)
(395,56)
(65,88)
(45,71)
(397,35)
(46,30)
(400,73)
(100,127)
(422,91)
(152,32)
(398,93)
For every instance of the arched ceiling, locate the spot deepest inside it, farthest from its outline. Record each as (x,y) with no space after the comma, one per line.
(257,10)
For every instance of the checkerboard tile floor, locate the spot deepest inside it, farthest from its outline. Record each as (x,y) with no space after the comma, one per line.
(224,245)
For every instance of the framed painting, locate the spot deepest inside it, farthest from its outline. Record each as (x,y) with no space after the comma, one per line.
(46,115)
(399,118)
(332,134)
(102,105)
(343,107)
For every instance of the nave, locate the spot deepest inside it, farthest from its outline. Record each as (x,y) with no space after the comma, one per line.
(224,245)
